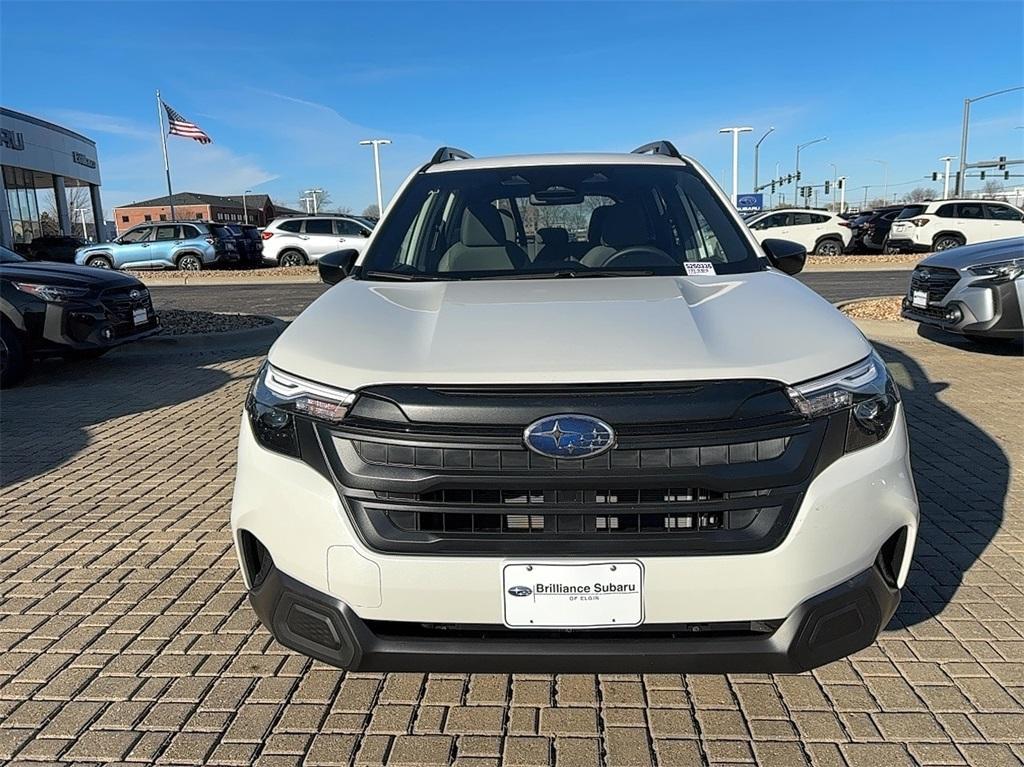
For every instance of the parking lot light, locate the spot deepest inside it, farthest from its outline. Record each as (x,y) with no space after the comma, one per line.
(376,144)
(962,178)
(735,158)
(797,171)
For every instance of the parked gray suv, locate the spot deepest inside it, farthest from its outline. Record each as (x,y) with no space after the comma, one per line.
(189,246)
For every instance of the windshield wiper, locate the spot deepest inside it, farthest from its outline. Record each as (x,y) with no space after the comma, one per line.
(568,274)
(400,276)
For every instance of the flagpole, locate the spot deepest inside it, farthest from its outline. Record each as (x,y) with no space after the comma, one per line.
(163,141)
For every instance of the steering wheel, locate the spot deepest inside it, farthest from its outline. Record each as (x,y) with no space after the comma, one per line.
(623,257)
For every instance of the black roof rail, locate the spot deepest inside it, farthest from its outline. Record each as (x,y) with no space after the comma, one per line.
(446,153)
(658,147)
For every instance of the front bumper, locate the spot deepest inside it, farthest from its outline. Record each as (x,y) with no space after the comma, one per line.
(979,308)
(826,627)
(905,245)
(83,326)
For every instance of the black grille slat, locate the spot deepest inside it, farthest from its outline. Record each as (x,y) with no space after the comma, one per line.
(937,284)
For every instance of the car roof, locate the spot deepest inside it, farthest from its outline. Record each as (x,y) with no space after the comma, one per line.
(533,160)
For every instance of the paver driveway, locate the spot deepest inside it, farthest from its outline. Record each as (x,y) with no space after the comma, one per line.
(125,634)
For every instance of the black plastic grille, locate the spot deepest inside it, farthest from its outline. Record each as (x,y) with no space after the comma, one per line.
(636,496)
(936,281)
(120,307)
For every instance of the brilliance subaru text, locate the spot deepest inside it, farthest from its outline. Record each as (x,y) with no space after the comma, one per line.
(566,414)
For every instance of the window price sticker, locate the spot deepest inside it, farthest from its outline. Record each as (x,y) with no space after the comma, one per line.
(698,268)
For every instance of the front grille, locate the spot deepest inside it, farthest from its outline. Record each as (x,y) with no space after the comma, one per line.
(935,281)
(937,313)
(120,306)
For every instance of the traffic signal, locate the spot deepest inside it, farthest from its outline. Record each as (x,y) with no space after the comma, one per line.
(1006,175)
(1002,162)
(828,186)
(935,177)
(798,175)
(842,182)
(773,187)
(983,175)
(789,179)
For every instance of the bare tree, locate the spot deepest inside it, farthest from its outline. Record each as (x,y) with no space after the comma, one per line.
(992,188)
(345,210)
(323,200)
(371,211)
(919,194)
(78,200)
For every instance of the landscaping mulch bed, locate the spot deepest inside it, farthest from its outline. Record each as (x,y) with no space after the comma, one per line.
(875,309)
(176,322)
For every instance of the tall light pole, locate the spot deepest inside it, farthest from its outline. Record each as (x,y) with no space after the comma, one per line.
(961,180)
(835,180)
(312,200)
(885,177)
(376,143)
(842,194)
(945,177)
(798,148)
(735,158)
(757,150)
(245,207)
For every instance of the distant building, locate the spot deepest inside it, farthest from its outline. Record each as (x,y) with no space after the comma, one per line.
(258,209)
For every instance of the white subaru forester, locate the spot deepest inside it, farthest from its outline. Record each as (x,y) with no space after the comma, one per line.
(565,414)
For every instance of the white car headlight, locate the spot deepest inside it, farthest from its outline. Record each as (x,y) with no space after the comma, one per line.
(52,293)
(1000,271)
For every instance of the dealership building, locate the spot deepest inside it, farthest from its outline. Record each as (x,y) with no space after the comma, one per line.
(39,157)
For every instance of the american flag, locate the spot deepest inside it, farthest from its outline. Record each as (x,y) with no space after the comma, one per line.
(179,126)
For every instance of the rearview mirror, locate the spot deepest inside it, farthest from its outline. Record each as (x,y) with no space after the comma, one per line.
(784,255)
(334,267)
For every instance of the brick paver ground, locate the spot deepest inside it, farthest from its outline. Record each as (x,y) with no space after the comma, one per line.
(125,635)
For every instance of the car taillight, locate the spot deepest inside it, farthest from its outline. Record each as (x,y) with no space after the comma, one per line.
(919,221)
(845,223)
(266,235)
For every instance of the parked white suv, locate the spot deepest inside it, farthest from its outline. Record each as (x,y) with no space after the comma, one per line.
(943,224)
(302,240)
(656,453)
(821,232)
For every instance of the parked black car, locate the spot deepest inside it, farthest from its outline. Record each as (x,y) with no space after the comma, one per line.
(249,242)
(230,245)
(58,248)
(871,228)
(49,309)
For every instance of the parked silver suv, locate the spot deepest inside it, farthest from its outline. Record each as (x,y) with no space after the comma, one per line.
(298,241)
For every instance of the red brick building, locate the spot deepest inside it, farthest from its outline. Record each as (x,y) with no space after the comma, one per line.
(259,209)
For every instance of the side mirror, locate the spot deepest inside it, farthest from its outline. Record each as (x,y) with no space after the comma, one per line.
(784,255)
(334,267)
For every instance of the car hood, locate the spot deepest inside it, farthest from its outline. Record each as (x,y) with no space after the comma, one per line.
(762,325)
(980,253)
(67,275)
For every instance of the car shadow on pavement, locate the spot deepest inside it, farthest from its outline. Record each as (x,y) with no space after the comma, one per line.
(962,477)
(991,346)
(65,408)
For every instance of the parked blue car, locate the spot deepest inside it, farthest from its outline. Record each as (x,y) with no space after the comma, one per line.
(189,246)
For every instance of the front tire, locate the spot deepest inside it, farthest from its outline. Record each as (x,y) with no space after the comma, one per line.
(13,356)
(947,241)
(292,258)
(828,248)
(190,263)
(99,262)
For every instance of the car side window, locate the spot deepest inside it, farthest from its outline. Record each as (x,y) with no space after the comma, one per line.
(818,218)
(348,228)
(290,226)
(188,232)
(1002,213)
(137,235)
(319,226)
(166,233)
(777,219)
(946,211)
(970,210)
(802,219)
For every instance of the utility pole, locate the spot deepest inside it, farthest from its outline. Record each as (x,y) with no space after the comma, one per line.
(245,207)
(376,144)
(945,177)
(962,179)
(798,148)
(842,194)
(757,159)
(835,181)
(735,158)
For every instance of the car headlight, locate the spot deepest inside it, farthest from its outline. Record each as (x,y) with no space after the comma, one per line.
(1000,271)
(53,293)
(865,390)
(278,398)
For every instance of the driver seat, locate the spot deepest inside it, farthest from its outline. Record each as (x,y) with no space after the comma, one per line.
(622,226)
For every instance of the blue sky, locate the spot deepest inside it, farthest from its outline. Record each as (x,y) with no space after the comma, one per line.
(287,90)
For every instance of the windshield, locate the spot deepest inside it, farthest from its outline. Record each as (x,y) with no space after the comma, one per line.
(9,256)
(558,220)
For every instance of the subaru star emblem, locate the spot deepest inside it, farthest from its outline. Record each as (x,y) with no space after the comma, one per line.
(569,436)
(520,591)
(135,295)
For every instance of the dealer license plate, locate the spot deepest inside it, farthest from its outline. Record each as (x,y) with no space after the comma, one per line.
(140,316)
(920,299)
(579,595)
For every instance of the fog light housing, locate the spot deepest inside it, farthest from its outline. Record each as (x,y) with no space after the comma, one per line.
(107,333)
(953,314)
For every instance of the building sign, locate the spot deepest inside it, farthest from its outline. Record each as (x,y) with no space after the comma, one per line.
(12,139)
(83,159)
(749,203)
